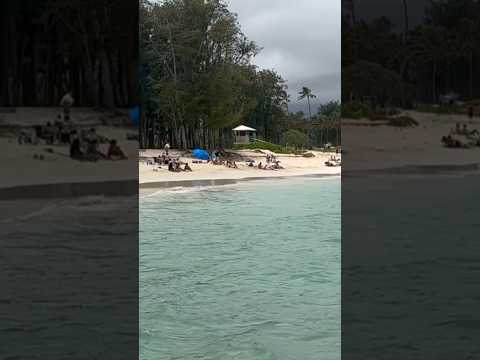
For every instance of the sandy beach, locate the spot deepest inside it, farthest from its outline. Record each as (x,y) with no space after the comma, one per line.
(294,166)
(384,147)
(57,167)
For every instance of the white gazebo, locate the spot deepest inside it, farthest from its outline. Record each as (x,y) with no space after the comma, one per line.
(244,134)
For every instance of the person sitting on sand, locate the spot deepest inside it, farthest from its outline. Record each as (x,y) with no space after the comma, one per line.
(171,167)
(231,164)
(177,166)
(114,151)
(187,168)
(91,136)
(49,133)
(75,147)
(276,165)
(457,129)
(64,136)
(260,165)
(92,153)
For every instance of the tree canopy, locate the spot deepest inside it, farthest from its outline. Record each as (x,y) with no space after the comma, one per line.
(198,81)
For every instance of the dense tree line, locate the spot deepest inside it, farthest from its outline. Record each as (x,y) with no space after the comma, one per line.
(198,81)
(404,67)
(88,47)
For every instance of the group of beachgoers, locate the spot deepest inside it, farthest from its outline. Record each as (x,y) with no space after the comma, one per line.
(173,164)
(218,157)
(272,163)
(462,137)
(84,143)
(333,161)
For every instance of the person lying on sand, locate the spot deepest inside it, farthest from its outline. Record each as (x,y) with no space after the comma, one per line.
(451,142)
(114,152)
(277,165)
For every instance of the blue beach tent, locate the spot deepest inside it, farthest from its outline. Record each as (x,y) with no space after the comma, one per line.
(135,115)
(200,154)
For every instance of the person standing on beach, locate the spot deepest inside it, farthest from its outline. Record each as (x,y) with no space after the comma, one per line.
(470,112)
(67,103)
(167,147)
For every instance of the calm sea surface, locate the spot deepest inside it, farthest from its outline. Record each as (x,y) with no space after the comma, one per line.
(249,271)
(69,279)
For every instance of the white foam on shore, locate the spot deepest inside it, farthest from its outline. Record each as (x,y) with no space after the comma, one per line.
(240,183)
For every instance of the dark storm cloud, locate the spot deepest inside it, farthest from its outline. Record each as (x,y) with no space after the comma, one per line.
(300,40)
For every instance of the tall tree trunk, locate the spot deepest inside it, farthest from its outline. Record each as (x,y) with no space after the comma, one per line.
(471,74)
(434,81)
(107,83)
(309,109)
(405,19)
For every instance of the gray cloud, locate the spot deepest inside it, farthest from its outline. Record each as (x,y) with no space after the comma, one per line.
(301,40)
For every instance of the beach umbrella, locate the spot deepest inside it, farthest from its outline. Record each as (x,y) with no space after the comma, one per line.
(135,115)
(201,154)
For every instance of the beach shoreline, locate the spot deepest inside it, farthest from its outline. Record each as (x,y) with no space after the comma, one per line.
(224,182)
(155,176)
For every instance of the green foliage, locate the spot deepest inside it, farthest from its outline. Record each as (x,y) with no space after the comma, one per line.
(403,121)
(295,138)
(391,67)
(377,115)
(332,108)
(355,110)
(373,81)
(196,74)
(198,82)
(264,145)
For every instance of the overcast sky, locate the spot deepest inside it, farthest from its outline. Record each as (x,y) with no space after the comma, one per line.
(301,40)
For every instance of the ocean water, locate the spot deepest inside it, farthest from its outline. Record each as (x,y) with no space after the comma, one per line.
(248,271)
(410,267)
(69,275)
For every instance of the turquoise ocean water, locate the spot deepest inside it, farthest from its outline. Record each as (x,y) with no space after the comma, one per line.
(247,271)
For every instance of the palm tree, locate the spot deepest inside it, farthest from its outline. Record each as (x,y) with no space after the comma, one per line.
(306,93)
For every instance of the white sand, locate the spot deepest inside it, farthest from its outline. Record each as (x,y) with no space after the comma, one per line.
(20,168)
(294,166)
(377,147)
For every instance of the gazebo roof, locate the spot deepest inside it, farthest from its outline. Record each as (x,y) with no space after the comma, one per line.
(243,128)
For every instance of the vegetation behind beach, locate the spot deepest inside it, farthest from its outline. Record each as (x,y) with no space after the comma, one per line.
(198,82)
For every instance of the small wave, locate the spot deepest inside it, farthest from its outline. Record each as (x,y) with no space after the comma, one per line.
(31,215)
